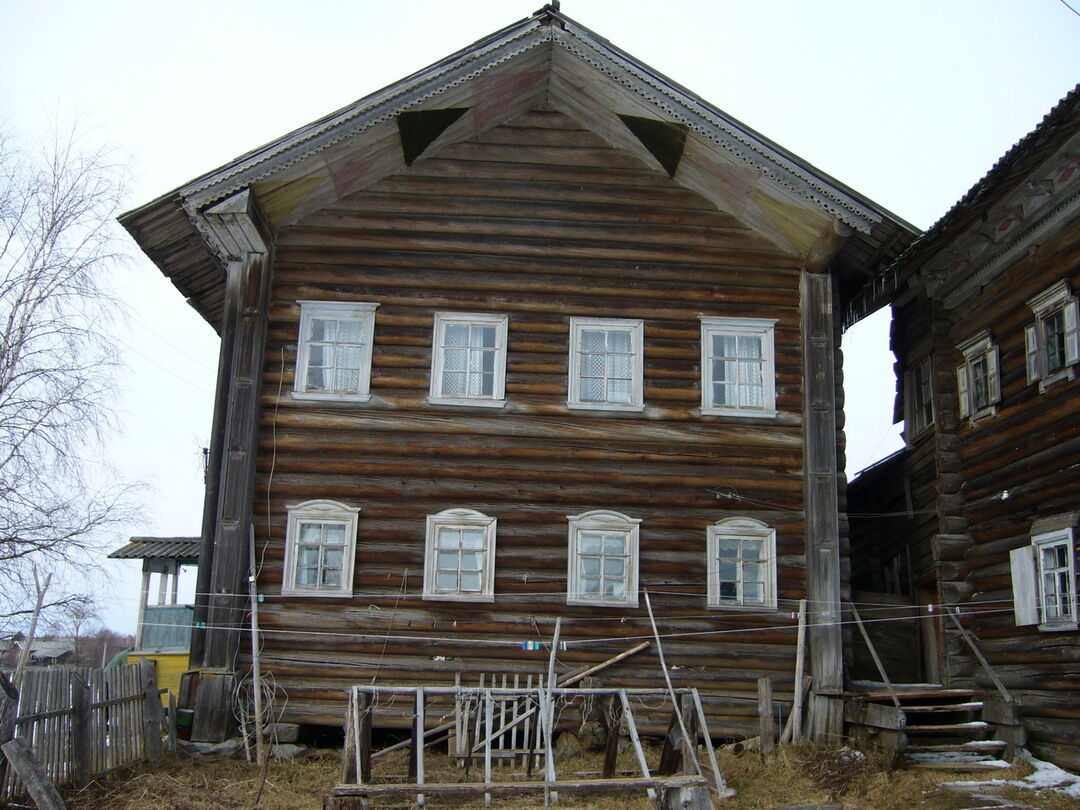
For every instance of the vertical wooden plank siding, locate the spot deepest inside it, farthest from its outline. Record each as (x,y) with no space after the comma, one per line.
(539,220)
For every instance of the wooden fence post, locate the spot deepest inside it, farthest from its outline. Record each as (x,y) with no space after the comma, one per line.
(81,745)
(766,727)
(9,713)
(33,776)
(151,710)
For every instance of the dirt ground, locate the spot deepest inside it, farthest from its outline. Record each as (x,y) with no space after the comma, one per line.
(796,775)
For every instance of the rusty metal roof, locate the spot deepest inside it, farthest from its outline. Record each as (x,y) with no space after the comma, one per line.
(162,548)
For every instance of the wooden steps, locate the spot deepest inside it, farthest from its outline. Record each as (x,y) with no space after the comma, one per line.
(934,728)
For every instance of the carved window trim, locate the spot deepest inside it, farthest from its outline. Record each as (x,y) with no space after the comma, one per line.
(496,398)
(605,523)
(745,533)
(459,520)
(978,379)
(326,514)
(634,329)
(1052,340)
(919,408)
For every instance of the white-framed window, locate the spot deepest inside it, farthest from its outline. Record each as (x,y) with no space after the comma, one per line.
(738,368)
(606,364)
(1044,581)
(920,397)
(741,564)
(320,547)
(603,559)
(1052,340)
(459,562)
(468,359)
(333,355)
(977,380)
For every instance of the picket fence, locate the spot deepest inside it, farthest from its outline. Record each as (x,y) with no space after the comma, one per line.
(84,723)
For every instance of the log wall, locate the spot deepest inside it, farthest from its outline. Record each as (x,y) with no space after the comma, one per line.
(540,220)
(1031,451)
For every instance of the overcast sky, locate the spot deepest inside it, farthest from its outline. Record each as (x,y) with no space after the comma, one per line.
(908,102)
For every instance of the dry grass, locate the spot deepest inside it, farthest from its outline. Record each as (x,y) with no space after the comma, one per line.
(802,774)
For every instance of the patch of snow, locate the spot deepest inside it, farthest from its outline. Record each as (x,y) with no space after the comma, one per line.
(1047,776)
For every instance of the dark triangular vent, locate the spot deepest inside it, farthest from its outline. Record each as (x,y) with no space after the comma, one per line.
(663,138)
(418,129)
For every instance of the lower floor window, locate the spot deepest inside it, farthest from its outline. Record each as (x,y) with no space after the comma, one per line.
(460,556)
(742,564)
(320,544)
(603,559)
(1044,581)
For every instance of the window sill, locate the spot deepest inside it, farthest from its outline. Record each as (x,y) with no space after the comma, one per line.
(1058,627)
(1068,373)
(332,397)
(759,608)
(457,597)
(325,594)
(624,603)
(605,406)
(739,413)
(466,402)
(974,418)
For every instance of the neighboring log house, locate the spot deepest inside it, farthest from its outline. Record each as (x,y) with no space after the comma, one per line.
(983,506)
(516,338)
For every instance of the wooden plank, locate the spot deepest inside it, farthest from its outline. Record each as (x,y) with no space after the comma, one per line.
(873,652)
(33,775)
(722,790)
(82,768)
(631,726)
(151,710)
(800,666)
(766,724)
(9,710)
(501,789)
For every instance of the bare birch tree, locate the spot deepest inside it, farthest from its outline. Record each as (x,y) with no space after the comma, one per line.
(57,361)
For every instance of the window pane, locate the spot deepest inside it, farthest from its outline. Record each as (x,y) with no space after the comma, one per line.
(619,391)
(310,532)
(446,581)
(729,549)
(448,538)
(619,366)
(456,334)
(333,556)
(350,332)
(455,359)
(590,543)
(483,336)
(472,561)
(753,549)
(728,590)
(723,346)
(752,572)
(470,582)
(321,329)
(614,544)
(307,576)
(331,577)
(614,566)
(593,341)
(723,394)
(349,357)
(750,347)
(618,342)
(333,532)
(453,383)
(317,379)
(319,355)
(728,572)
(590,565)
(592,365)
(472,538)
(347,380)
(614,588)
(309,555)
(753,592)
(447,560)
(590,586)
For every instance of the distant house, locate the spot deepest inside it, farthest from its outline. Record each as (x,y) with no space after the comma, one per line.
(520,337)
(163,630)
(982,508)
(52,653)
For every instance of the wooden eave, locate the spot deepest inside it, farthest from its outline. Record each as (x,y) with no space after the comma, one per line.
(544,61)
(1030,190)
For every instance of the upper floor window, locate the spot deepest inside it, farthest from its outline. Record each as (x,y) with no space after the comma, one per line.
(606,364)
(920,397)
(320,545)
(333,357)
(741,564)
(603,559)
(1044,581)
(737,366)
(977,379)
(468,359)
(460,556)
(1052,341)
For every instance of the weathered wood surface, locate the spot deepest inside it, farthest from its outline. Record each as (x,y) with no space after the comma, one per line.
(84,723)
(985,482)
(540,220)
(32,775)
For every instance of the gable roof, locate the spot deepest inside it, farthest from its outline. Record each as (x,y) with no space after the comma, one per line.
(1027,191)
(161,548)
(546,60)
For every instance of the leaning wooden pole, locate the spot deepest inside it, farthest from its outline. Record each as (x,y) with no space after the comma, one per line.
(800,668)
(670,687)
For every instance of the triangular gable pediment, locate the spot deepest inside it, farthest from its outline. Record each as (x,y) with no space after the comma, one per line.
(544,62)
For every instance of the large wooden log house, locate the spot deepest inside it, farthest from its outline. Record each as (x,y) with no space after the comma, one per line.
(516,338)
(982,509)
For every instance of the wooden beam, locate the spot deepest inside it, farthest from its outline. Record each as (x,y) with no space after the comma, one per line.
(33,775)
(499,789)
